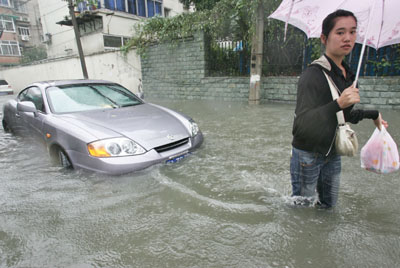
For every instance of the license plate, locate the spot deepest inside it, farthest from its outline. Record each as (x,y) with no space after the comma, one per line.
(174,159)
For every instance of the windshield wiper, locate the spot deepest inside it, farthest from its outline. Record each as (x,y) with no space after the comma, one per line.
(130,104)
(129,96)
(116,105)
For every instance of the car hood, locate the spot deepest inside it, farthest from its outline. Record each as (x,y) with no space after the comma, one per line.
(146,124)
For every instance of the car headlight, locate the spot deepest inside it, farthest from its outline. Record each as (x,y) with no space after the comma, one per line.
(115,147)
(194,128)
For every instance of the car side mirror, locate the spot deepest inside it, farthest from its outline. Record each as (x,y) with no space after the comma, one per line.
(26,107)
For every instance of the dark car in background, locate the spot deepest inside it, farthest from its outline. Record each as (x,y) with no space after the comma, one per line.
(100,126)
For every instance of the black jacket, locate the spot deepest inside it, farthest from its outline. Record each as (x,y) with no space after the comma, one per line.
(315,120)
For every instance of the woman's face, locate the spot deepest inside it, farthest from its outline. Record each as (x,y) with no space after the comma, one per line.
(341,38)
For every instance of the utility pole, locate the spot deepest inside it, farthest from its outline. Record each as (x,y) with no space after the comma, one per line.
(257,57)
(78,39)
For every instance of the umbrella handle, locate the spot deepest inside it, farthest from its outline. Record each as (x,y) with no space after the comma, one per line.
(359,63)
(361,54)
(287,20)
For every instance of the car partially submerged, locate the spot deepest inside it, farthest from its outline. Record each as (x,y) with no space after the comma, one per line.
(100,126)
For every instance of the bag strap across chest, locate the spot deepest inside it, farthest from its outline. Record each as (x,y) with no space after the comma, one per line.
(335,95)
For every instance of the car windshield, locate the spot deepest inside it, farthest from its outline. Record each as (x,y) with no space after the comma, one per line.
(3,82)
(78,98)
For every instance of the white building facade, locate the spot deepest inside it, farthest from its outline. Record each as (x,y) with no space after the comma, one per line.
(106,26)
(103,28)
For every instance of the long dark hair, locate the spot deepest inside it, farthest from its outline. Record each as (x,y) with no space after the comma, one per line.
(330,20)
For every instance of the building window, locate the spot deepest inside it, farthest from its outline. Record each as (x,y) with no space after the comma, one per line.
(9,48)
(5,3)
(132,7)
(19,5)
(120,5)
(110,4)
(143,8)
(167,12)
(111,41)
(83,6)
(23,31)
(150,8)
(154,8)
(7,23)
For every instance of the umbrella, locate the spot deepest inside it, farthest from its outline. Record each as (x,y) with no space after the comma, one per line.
(378,21)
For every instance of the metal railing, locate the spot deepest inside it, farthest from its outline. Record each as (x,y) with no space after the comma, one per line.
(232,58)
(228,58)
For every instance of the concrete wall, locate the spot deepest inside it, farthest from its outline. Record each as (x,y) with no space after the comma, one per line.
(179,72)
(112,66)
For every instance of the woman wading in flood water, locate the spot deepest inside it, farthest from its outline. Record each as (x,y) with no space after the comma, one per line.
(315,166)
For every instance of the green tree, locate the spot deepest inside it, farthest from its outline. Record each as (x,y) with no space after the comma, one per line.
(231,20)
(227,19)
(33,54)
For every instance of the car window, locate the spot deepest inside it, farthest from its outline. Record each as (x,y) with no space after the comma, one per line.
(3,82)
(34,95)
(77,98)
(22,95)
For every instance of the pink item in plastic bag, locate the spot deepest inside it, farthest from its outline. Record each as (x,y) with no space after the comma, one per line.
(380,153)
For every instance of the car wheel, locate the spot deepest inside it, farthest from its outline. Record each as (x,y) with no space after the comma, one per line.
(63,159)
(5,126)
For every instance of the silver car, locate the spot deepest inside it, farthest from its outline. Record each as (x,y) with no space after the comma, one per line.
(100,126)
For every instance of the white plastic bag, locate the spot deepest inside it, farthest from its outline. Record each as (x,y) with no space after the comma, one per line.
(380,153)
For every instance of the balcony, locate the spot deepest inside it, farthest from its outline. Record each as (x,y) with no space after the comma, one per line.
(22,19)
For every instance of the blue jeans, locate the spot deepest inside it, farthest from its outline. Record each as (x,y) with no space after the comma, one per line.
(315,175)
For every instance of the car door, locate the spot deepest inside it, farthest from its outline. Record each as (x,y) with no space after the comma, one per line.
(32,123)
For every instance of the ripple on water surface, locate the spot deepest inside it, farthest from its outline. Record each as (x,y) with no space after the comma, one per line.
(226,205)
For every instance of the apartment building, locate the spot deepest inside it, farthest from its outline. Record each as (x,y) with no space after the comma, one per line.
(106,26)
(20,29)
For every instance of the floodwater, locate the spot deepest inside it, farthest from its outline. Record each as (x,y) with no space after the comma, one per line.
(226,205)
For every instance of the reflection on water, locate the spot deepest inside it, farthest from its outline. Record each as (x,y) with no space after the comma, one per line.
(227,205)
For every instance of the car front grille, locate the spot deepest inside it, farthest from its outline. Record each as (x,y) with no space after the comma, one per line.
(171,146)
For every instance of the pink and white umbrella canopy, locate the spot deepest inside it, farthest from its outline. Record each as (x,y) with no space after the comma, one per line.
(378,20)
